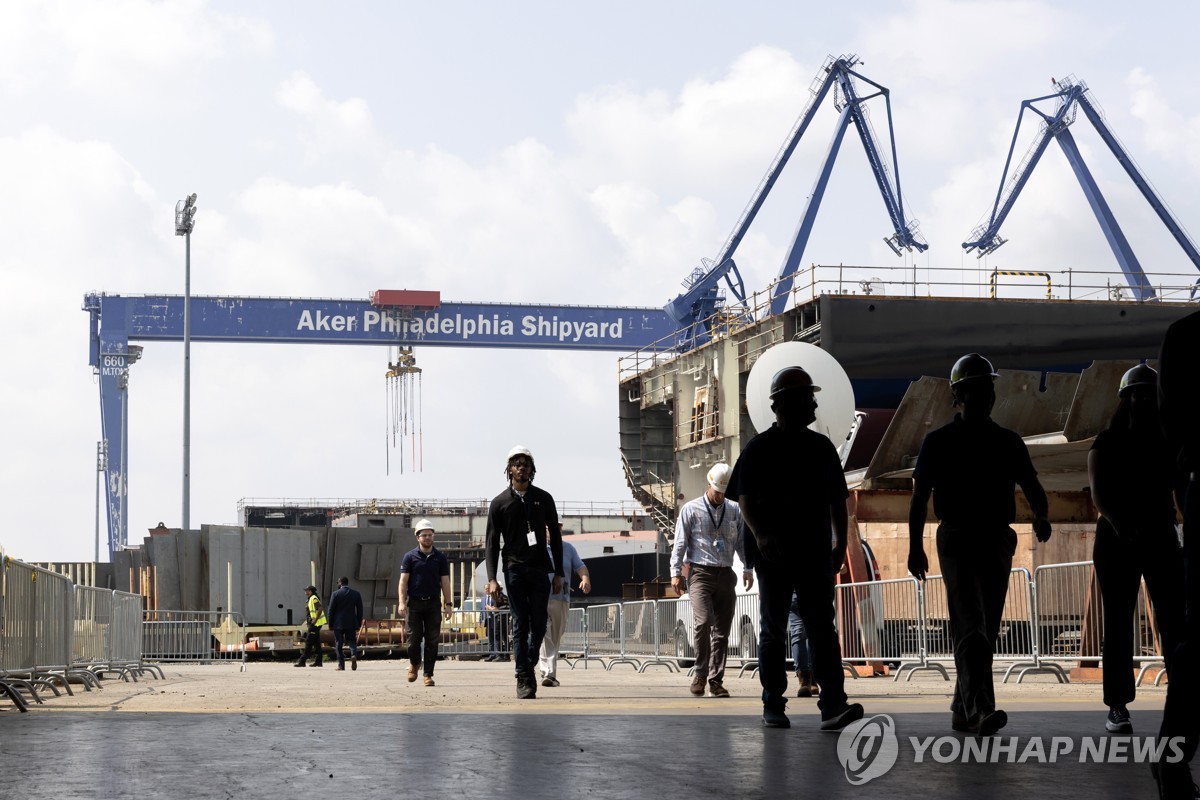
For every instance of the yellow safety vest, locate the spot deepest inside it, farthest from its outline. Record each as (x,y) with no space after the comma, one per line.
(316,614)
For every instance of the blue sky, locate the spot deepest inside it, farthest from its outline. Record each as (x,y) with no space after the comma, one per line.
(533,152)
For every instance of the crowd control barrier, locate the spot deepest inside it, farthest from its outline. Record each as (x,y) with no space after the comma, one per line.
(192,636)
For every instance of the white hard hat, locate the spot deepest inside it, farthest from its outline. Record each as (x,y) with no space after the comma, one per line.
(423,524)
(519,450)
(718,477)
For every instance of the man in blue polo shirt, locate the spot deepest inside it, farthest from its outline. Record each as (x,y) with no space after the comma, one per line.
(424,578)
(557,611)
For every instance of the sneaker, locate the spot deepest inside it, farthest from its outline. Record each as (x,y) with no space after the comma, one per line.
(526,689)
(548,681)
(775,718)
(492,658)
(990,722)
(850,713)
(429,680)
(1118,720)
(412,672)
(716,689)
(316,664)
(697,687)
(353,663)
(298,664)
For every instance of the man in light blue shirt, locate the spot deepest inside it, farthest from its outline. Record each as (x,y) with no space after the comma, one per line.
(557,610)
(708,532)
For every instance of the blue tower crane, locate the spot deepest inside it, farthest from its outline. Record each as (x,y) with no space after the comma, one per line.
(704,297)
(1073,95)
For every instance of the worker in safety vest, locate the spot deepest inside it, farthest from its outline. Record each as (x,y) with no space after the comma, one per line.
(315,617)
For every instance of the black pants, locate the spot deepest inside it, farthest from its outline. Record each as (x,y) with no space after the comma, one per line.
(424,631)
(1120,566)
(1181,713)
(976,563)
(312,643)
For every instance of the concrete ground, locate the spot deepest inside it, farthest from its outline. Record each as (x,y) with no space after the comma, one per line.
(213,731)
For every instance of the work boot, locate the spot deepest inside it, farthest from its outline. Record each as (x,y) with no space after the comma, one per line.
(526,689)
(990,722)
(775,718)
(717,689)
(806,684)
(698,683)
(299,663)
(412,672)
(317,663)
(429,680)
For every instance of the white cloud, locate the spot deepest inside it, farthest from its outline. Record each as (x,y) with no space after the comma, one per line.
(333,127)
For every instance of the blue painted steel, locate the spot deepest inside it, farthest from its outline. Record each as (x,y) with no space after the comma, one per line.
(1073,96)
(703,298)
(791,263)
(116,320)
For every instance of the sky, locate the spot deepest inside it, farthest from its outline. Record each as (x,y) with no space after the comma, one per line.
(551,153)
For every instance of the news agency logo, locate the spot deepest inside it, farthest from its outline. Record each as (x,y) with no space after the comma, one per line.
(869,748)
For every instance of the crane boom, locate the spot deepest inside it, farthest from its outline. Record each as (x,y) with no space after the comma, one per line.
(1073,95)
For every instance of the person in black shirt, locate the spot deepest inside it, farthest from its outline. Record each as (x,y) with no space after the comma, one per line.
(972,467)
(424,578)
(523,523)
(1179,409)
(789,484)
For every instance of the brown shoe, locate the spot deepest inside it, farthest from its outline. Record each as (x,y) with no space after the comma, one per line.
(698,683)
(806,685)
(716,689)
(412,672)
(429,680)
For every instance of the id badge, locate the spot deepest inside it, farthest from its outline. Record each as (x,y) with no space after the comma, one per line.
(531,538)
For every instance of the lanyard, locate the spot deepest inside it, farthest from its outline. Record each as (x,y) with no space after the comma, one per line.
(525,506)
(714,520)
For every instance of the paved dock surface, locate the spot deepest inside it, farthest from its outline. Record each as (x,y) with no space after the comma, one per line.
(277,731)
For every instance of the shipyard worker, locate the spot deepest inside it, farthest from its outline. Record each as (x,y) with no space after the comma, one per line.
(557,610)
(708,533)
(314,620)
(345,614)
(1130,469)
(523,526)
(972,467)
(788,483)
(424,599)
(1179,409)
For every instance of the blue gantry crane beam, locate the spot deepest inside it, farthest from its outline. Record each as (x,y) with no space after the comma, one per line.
(1072,96)
(703,295)
(390,318)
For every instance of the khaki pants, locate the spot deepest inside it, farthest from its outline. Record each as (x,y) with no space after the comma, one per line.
(556,625)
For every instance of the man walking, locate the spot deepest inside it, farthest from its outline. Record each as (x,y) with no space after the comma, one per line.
(789,485)
(972,467)
(314,618)
(345,614)
(424,580)
(557,612)
(708,532)
(523,521)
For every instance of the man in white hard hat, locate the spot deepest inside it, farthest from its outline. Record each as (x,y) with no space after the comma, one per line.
(523,522)
(708,532)
(424,580)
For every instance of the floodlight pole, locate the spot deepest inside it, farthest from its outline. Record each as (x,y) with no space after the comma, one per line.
(185,214)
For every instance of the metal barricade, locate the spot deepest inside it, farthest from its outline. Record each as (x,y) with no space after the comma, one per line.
(574,645)
(604,633)
(880,622)
(645,635)
(1067,614)
(192,636)
(125,639)
(35,641)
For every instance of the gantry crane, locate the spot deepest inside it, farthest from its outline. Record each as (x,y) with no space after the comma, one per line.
(1071,96)
(703,295)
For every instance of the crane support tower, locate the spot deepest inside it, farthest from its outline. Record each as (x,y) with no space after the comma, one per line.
(392,318)
(703,295)
(1073,95)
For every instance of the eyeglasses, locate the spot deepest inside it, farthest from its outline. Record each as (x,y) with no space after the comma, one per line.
(520,462)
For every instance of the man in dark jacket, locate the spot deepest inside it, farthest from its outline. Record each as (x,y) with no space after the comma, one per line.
(523,519)
(345,615)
